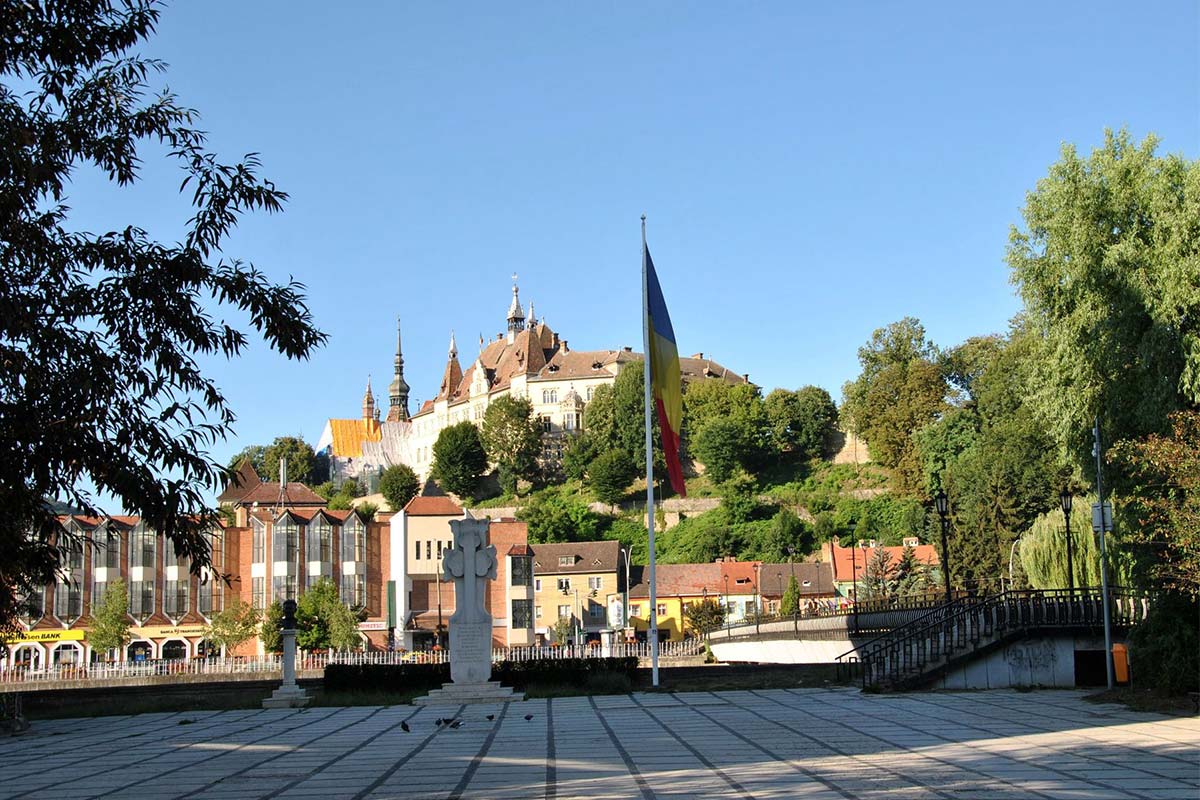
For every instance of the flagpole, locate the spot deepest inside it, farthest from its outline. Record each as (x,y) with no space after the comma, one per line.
(653,632)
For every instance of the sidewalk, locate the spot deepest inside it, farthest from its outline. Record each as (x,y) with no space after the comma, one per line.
(819,743)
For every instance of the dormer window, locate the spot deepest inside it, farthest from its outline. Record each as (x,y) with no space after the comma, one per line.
(566,561)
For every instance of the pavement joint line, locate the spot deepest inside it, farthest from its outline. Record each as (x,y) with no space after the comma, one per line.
(390,771)
(826,744)
(551,755)
(826,782)
(471,769)
(640,779)
(192,764)
(953,765)
(1081,732)
(55,743)
(737,787)
(1052,730)
(92,757)
(258,764)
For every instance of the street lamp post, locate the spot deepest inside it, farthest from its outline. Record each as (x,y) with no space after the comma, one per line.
(854,572)
(943,507)
(438,573)
(628,553)
(779,583)
(1065,499)
(757,594)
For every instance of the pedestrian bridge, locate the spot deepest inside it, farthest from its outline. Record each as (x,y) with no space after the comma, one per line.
(1011,639)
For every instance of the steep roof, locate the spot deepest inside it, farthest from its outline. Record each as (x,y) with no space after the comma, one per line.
(587,557)
(422,506)
(678,580)
(350,434)
(244,479)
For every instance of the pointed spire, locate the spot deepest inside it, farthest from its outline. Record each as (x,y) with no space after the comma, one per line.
(453,346)
(516,317)
(369,411)
(532,321)
(398,388)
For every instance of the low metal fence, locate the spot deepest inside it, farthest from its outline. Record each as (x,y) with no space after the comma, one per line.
(313,663)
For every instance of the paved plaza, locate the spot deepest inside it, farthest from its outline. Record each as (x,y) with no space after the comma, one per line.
(814,744)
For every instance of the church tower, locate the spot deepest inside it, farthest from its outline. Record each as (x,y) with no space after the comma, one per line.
(453,376)
(516,317)
(398,389)
(369,410)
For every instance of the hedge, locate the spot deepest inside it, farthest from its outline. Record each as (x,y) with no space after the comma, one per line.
(516,674)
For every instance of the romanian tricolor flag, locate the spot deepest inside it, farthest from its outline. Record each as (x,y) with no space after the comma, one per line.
(665,382)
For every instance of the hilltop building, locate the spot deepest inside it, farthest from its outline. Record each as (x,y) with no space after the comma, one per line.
(528,359)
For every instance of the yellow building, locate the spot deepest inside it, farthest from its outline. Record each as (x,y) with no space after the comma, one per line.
(678,586)
(578,581)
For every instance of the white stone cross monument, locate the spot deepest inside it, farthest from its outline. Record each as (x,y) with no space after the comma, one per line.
(471,565)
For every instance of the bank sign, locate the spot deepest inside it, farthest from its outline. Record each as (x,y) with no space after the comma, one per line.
(43,636)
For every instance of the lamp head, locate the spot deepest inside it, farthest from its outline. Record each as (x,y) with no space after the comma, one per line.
(1065,498)
(942,503)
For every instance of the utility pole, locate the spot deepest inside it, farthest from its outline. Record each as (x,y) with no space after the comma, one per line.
(1102,521)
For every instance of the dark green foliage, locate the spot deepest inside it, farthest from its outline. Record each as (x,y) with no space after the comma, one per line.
(877,583)
(107,331)
(801,420)
(786,530)
(254,454)
(512,440)
(554,515)
(301,462)
(459,459)
(610,474)
(323,622)
(520,675)
(366,511)
(580,452)
(1105,262)
(789,604)
(720,444)
(901,388)
(1164,650)
(727,425)
(739,498)
(398,484)
(272,622)
(705,616)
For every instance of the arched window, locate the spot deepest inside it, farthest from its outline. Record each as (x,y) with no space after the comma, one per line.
(554,395)
(545,395)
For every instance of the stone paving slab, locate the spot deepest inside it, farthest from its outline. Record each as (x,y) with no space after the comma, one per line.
(823,744)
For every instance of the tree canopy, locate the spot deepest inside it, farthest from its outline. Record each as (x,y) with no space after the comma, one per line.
(459,459)
(511,438)
(398,484)
(110,619)
(102,334)
(238,622)
(323,621)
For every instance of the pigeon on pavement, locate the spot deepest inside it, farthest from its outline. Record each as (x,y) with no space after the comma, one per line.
(491,717)
(528,717)
(404,726)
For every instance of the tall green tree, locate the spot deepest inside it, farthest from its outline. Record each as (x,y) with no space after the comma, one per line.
(789,604)
(270,627)
(581,450)
(705,616)
(398,484)
(301,461)
(102,335)
(610,475)
(323,621)
(738,412)
(511,438)
(878,582)
(600,419)
(110,619)
(721,444)
(629,409)
(801,420)
(459,459)
(1106,262)
(238,622)
(900,389)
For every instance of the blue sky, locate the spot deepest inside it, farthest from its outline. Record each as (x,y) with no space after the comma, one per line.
(810,171)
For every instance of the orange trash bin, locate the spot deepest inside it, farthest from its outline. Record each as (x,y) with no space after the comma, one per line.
(1120,655)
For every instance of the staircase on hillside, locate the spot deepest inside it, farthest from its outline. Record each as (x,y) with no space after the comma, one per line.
(968,627)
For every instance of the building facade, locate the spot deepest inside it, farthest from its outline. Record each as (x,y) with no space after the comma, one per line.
(527,360)
(578,582)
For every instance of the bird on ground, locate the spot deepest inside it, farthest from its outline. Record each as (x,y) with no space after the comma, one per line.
(528,717)
(437,723)
(491,717)
(404,726)
(456,724)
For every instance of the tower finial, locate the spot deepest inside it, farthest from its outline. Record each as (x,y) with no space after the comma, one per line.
(453,346)
(398,388)
(369,411)
(516,317)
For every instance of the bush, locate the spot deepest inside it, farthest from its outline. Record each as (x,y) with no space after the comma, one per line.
(1164,650)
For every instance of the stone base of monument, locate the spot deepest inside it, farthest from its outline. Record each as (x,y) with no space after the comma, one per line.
(469,693)
(287,697)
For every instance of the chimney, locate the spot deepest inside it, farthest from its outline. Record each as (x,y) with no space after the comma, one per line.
(747,377)
(565,349)
(627,349)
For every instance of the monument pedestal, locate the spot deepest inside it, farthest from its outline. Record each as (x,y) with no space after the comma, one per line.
(287,697)
(455,693)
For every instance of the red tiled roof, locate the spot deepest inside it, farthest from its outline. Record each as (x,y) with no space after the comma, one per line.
(678,580)
(814,578)
(852,567)
(266,493)
(520,550)
(244,479)
(422,506)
